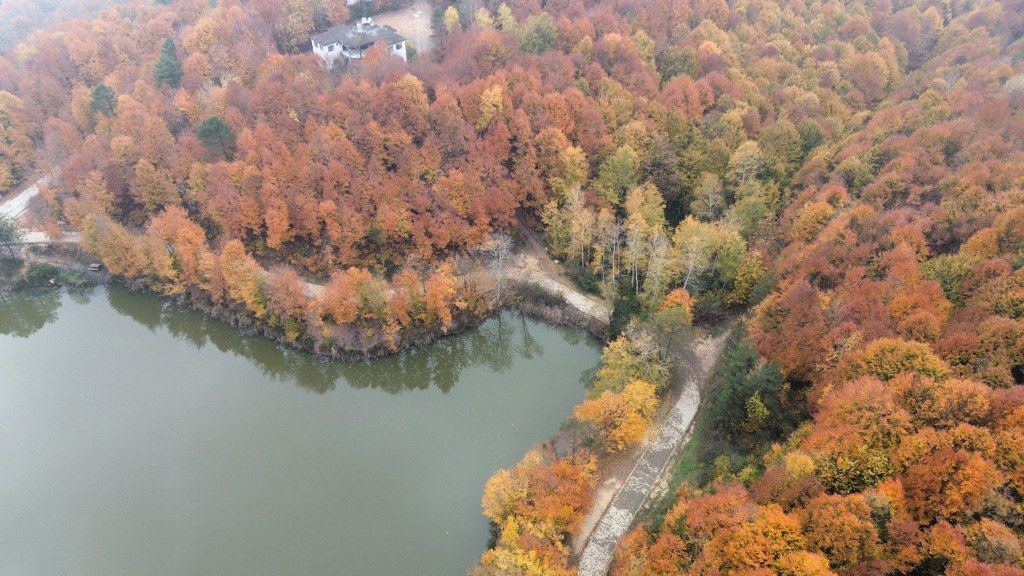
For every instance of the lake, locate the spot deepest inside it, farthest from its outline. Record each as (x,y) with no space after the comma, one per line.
(139,438)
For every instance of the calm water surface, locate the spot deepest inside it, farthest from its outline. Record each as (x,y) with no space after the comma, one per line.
(140,439)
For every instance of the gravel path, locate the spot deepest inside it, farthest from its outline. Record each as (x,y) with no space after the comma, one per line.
(527,268)
(618,518)
(15,206)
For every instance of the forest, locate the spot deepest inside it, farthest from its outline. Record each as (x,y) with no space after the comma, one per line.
(846,177)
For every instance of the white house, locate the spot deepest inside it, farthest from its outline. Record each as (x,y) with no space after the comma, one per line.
(352,42)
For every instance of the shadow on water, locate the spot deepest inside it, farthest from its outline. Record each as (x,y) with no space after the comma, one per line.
(496,344)
(24,314)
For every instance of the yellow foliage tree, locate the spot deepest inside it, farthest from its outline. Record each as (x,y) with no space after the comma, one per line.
(624,360)
(452,22)
(802,563)
(622,418)
(517,562)
(243,278)
(121,252)
(748,274)
(483,18)
(886,358)
(502,493)
(492,104)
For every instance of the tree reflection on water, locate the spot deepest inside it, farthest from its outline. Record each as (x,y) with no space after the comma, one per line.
(25,313)
(496,344)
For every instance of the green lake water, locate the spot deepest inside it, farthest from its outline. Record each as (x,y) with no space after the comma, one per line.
(137,438)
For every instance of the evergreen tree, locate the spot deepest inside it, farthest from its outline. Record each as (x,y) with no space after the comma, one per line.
(168,68)
(103,99)
(217,136)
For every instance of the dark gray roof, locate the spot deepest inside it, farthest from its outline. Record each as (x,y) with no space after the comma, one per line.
(349,35)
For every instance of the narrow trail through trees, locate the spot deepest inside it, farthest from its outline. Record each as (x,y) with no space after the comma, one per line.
(617,519)
(535,265)
(529,268)
(14,206)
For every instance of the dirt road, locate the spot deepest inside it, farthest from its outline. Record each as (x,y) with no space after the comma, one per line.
(14,206)
(618,517)
(529,268)
(534,265)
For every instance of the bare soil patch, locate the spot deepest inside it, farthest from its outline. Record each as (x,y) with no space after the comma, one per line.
(412,22)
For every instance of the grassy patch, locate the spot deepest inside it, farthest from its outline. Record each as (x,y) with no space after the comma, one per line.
(42,274)
(689,464)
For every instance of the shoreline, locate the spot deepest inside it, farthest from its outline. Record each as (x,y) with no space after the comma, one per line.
(527,297)
(561,315)
(516,296)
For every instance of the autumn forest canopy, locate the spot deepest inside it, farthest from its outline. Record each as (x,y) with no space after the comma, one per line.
(846,178)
